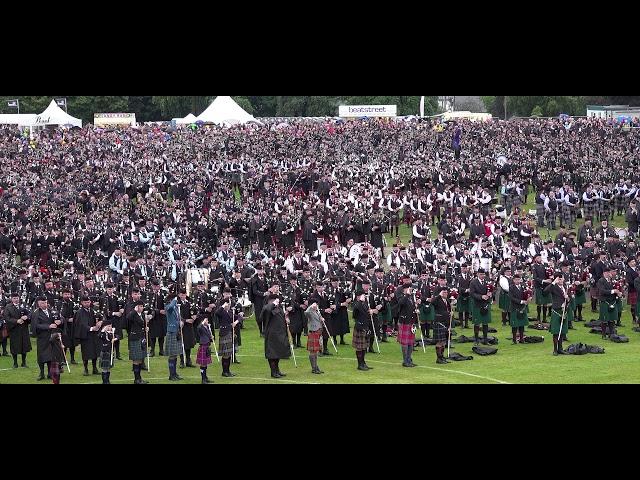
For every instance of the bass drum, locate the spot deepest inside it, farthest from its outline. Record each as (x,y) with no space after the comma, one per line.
(622,233)
(504,284)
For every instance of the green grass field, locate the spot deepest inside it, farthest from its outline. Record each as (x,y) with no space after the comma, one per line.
(528,364)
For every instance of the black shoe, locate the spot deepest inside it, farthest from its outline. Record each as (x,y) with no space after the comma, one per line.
(86,373)
(362,368)
(317,371)
(555,354)
(327,354)
(118,357)
(441,361)
(41,378)
(236,362)
(413,365)
(345,343)
(175,378)
(562,352)
(371,350)
(5,354)
(406,365)
(190,365)
(144,368)
(228,375)
(73,362)
(182,365)
(206,381)
(367,367)
(384,340)
(15,365)
(24,365)
(275,375)
(95,372)
(161,353)
(152,354)
(282,375)
(140,382)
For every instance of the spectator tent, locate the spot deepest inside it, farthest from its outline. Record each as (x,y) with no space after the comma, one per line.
(53,115)
(189,119)
(225,111)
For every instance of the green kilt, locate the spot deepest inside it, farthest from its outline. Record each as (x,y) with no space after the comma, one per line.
(541,298)
(581,297)
(607,314)
(478,317)
(620,306)
(464,305)
(556,320)
(571,309)
(504,302)
(520,317)
(385,316)
(427,313)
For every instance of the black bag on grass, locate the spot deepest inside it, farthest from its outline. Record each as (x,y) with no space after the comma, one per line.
(484,351)
(456,357)
(619,339)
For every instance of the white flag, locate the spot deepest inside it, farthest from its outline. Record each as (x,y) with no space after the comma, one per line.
(422,106)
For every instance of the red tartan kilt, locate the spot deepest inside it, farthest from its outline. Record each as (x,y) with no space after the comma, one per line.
(328,241)
(632,299)
(408,217)
(313,342)
(406,336)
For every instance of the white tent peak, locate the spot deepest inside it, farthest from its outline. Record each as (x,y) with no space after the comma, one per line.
(191,118)
(225,111)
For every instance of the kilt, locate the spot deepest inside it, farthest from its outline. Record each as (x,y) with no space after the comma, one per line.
(508,202)
(569,215)
(386,316)
(556,320)
(504,302)
(632,298)
(607,314)
(581,297)
(464,305)
(105,361)
(204,356)
(89,347)
(520,317)
(314,346)
(541,298)
(136,352)
(172,347)
(478,318)
(589,209)
(441,329)
(605,208)
(54,369)
(406,337)
(427,314)
(621,202)
(540,211)
(225,346)
(360,340)
(594,293)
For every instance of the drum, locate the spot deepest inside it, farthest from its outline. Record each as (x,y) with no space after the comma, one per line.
(504,284)
(486,263)
(195,276)
(247,306)
(622,233)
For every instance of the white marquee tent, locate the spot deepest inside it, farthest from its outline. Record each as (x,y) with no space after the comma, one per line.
(53,115)
(225,111)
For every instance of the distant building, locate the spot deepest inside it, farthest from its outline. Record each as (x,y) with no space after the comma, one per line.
(612,111)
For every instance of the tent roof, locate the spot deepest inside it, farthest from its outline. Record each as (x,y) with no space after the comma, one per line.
(54,115)
(191,118)
(225,111)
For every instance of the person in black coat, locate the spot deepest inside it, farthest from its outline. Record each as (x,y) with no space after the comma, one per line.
(310,235)
(327,307)
(137,340)
(633,218)
(44,323)
(362,320)
(276,339)
(87,331)
(295,311)
(259,292)
(18,321)
(67,313)
(442,323)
